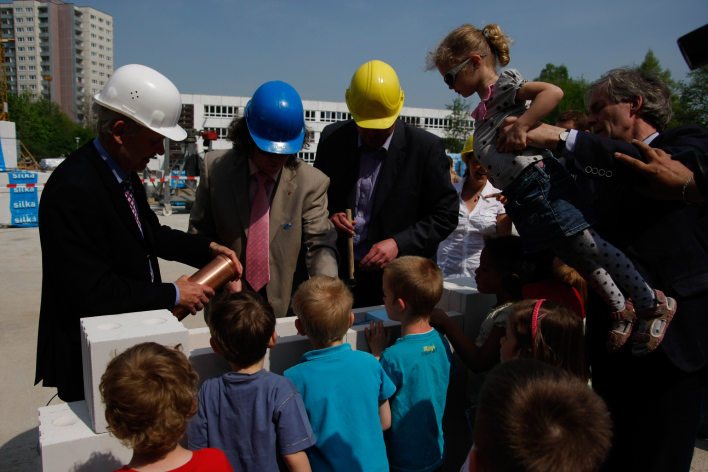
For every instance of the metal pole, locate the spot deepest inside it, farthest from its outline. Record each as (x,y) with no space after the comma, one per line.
(167,173)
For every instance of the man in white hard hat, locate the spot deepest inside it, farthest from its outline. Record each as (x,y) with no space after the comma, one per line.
(100,239)
(393,176)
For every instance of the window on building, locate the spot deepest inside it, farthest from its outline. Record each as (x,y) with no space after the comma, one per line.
(19,20)
(33,87)
(7,32)
(94,81)
(93,63)
(21,49)
(108,67)
(108,23)
(31,67)
(108,49)
(310,115)
(100,20)
(108,58)
(102,66)
(23,87)
(20,40)
(45,68)
(32,58)
(332,116)
(100,47)
(100,56)
(108,31)
(101,74)
(30,29)
(30,39)
(93,72)
(6,22)
(45,49)
(29,9)
(21,58)
(220,111)
(93,27)
(100,38)
(30,48)
(108,40)
(19,30)
(30,19)
(23,77)
(101,82)
(33,77)
(93,54)
(93,17)
(93,45)
(100,29)
(18,10)
(93,36)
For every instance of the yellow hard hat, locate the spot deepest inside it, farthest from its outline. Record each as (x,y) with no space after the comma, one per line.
(374,96)
(467,149)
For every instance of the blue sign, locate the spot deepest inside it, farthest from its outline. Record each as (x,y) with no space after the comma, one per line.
(175,183)
(24,203)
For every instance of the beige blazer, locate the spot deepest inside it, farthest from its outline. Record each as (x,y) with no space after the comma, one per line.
(298,217)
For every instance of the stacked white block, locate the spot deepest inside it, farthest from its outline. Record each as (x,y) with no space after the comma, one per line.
(67,443)
(356,336)
(103,337)
(7,192)
(461,295)
(8,144)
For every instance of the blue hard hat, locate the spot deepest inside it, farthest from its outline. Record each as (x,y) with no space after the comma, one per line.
(275,118)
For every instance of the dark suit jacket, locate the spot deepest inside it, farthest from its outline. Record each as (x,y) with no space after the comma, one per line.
(414,202)
(95,261)
(667,240)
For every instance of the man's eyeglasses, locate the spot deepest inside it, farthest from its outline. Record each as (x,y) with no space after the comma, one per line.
(451,75)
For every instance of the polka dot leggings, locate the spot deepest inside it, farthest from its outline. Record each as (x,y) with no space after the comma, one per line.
(602,266)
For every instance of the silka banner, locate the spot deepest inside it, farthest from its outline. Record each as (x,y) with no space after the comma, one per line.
(24,203)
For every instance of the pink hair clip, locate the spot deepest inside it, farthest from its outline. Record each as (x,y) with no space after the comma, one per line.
(535,318)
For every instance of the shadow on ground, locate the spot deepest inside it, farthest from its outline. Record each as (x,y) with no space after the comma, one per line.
(19,454)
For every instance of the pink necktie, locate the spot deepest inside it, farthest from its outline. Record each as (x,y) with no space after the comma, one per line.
(128,191)
(257,266)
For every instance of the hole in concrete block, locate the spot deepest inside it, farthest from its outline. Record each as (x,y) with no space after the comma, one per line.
(64,421)
(154,321)
(108,326)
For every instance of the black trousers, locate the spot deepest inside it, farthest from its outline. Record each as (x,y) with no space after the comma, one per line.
(368,288)
(656,407)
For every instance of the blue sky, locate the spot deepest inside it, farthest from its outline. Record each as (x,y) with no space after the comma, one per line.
(230,47)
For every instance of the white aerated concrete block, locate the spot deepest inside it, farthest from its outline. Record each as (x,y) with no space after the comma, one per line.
(286,353)
(103,337)
(199,338)
(356,336)
(207,363)
(68,444)
(461,295)
(286,326)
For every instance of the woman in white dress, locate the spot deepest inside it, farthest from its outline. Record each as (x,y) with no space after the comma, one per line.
(479,217)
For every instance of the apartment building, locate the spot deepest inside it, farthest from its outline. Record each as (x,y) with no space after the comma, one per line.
(57,50)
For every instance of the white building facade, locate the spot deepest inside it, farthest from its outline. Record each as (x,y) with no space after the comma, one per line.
(215,113)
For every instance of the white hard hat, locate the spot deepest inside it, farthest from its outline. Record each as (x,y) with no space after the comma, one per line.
(146,96)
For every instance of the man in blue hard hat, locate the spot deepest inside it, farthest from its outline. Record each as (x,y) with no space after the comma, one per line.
(261,201)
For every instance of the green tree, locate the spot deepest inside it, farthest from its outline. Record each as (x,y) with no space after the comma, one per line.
(694,98)
(651,65)
(460,125)
(43,128)
(573,90)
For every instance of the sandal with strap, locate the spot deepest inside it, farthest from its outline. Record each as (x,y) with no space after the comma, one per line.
(621,327)
(652,325)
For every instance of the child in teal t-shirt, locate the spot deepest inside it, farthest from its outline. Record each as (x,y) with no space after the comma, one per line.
(345,392)
(419,364)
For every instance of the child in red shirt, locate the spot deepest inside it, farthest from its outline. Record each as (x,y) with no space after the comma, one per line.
(150,393)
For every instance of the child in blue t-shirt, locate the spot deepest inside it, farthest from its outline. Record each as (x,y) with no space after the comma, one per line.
(254,416)
(419,364)
(345,392)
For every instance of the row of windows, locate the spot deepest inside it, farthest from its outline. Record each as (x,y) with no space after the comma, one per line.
(102,74)
(100,20)
(327,116)
(308,157)
(29,29)
(100,47)
(437,123)
(222,111)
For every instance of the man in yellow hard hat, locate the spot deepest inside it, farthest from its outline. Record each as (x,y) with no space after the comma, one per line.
(393,176)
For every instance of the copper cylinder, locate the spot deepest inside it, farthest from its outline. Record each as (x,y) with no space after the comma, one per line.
(215,274)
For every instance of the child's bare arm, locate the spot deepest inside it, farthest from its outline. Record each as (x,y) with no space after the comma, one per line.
(378,338)
(544,98)
(297,462)
(385,414)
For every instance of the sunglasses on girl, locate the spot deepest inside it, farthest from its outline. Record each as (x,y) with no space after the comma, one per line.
(451,75)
